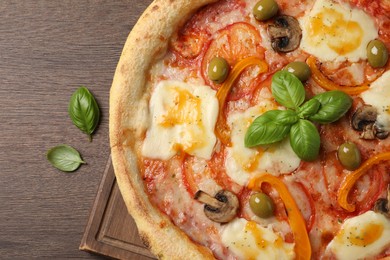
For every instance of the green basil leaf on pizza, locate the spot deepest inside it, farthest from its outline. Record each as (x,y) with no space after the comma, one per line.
(334,105)
(287,89)
(305,140)
(309,108)
(270,127)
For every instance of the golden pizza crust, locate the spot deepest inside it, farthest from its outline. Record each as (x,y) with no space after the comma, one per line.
(129,97)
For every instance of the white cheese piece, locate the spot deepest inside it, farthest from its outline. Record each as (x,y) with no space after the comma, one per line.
(242,162)
(337,32)
(361,237)
(183,118)
(378,96)
(248,240)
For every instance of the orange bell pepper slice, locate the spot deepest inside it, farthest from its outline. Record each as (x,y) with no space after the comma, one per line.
(327,84)
(350,180)
(222,129)
(297,223)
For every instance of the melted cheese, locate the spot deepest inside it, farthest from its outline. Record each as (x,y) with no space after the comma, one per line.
(183,118)
(249,240)
(338,32)
(361,237)
(241,162)
(378,96)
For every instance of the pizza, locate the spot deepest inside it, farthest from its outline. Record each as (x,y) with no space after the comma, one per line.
(246,129)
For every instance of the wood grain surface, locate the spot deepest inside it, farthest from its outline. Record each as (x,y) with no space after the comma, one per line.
(47,50)
(110,230)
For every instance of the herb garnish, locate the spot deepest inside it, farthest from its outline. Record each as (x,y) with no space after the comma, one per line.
(275,125)
(84,111)
(64,158)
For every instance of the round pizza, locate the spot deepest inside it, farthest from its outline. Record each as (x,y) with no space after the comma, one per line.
(246,129)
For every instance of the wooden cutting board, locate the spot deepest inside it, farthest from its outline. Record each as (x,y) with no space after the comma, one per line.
(110,230)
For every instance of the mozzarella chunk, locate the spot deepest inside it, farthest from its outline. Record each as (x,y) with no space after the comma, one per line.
(378,97)
(337,32)
(183,118)
(241,162)
(361,237)
(249,240)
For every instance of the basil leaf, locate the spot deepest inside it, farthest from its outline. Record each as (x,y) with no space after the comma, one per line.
(286,117)
(287,89)
(305,140)
(309,108)
(334,104)
(64,158)
(270,127)
(84,111)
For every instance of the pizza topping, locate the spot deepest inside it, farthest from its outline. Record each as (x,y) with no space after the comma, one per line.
(378,97)
(349,156)
(249,240)
(222,129)
(234,43)
(265,9)
(221,208)
(334,31)
(361,237)
(350,180)
(300,69)
(218,69)
(285,33)
(296,221)
(327,84)
(182,119)
(275,125)
(262,205)
(364,120)
(377,54)
(242,162)
(382,205)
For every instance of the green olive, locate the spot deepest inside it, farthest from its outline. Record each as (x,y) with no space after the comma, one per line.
(218,69)
(265,9)
(377,54)
(299,69)
(349,156)
(262,205)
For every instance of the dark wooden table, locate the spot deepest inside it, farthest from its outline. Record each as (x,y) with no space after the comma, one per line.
(47,50)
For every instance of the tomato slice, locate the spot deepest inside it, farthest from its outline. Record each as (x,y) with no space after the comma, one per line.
(310,221)
(188,176)
(192,38)
(376,188)
(152,170)
(218,172)
(234,43)
(189,44)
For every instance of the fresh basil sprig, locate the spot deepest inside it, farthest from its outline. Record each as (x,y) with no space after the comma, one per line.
(84,111)
(64,158)
(275,125)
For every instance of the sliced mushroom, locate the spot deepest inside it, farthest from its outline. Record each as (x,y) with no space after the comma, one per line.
(364,120)
(285,33)
(221,208)
(380,132)
(368,132)
(382,204)
(365,115)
